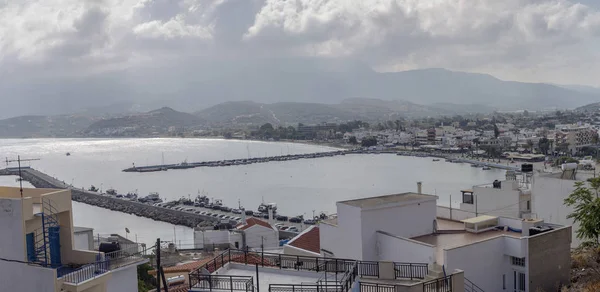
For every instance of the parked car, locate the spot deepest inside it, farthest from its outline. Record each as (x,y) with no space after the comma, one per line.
(278,225)
(265,216)
(215,215)
(203,213)
(221,216)
(257,214)
(293,229)
(236,218)
(236,211)
(249,212)
(197,212)
(284,228)
(310,222)
(296,220)
(208,214)
(216,207)
(225,209)
(282,218)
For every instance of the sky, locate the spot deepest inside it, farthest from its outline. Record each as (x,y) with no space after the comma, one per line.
(50,43)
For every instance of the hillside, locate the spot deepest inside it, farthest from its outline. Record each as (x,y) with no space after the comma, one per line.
(156,121)
(43,126)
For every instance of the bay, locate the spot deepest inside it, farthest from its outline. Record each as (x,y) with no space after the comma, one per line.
(298,187)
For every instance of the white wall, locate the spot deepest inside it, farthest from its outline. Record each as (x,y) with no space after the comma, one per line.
(454,214)
(484,263)
(12,243)
(23,277)
(82,241)
(399,249)
(547,201)
(495,202)
(123,280)
(329,238)
(210,238)
(404,221)
(258,235)
(346,242)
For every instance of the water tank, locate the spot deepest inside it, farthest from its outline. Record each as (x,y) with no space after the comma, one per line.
(526,167)
(568,166)
(539,229)
(107,247)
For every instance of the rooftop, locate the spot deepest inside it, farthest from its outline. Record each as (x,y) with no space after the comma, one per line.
(308,240)
(457,236)
(253,221)
(401,199)
(271,276)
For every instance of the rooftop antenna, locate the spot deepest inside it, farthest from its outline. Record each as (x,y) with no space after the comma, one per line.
(18,160)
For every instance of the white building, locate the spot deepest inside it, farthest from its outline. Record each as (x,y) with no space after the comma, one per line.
(496,253)
(259,234)
(40,250)
(508,198)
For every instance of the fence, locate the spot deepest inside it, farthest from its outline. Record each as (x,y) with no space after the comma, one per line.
(368,269)
(223,283)
(471,287)
(410,271)
(438,285)
(304,288)
(87,272)
(375,287)
(131,253)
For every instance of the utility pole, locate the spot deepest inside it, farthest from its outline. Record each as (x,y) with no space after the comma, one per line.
(158,265)
(20,174)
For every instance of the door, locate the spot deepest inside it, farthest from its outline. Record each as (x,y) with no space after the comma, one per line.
(518,281)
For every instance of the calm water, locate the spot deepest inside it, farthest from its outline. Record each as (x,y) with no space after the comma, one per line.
(298,187)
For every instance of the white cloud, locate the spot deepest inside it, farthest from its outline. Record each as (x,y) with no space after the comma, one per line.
(542,40)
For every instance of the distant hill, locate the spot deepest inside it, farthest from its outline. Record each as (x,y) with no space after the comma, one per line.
(160,120)
(582,88)
(44,126)
(366,109)
(592,107)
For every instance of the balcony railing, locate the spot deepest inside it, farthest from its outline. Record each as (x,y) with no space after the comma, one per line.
(223,283)
(105,263)
(410,271)
(438,285)
(375,287)
(471,287)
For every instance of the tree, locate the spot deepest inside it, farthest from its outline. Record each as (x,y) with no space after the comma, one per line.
(585,201)
(352,140)
(544,145)
(530,145)
(267,127)
(368,142)
(496,131)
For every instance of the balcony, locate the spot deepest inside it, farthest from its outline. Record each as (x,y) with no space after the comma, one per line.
(105,263)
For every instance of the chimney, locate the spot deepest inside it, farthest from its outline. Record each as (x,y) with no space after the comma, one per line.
(270,214)
(419,187)
(244,216)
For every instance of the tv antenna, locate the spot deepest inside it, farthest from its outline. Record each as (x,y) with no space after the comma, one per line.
(19,160)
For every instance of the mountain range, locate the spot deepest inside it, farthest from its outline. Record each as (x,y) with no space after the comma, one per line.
(328,81)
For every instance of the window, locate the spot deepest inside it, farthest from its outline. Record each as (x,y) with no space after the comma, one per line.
(503,281)
(515,261)
(467,198)
(519,281)
(528,205)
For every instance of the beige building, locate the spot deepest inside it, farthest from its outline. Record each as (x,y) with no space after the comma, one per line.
(575,136)
(38,248)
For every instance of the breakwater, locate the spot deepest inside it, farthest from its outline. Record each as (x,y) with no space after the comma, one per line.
(41,180)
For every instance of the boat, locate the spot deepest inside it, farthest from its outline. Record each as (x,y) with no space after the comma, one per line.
(111,192)
(435,159)
(486,167)
(264,208)
(183,165)
(474,165)
(68,154)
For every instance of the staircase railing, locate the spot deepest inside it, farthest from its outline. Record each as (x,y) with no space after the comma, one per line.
(471,287)
(46,240)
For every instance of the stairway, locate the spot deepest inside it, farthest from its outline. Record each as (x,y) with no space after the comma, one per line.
(46,238)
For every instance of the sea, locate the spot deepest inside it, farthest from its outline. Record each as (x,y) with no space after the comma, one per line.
(300,187)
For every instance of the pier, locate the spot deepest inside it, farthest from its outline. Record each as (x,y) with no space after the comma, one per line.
(41,180)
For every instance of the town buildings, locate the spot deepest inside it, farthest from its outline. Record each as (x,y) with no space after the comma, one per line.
(496,253)
(41,250)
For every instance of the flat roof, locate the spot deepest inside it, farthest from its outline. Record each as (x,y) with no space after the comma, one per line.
(455,238)
(403,199)
(479,219)
(273,276)
(77,229)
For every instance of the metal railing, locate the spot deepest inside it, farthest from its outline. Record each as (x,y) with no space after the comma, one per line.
(375,287)
(223,283)
(368,269)
(410,271)
(87,272)
(304,288)
(130,254)
(471,287)
(438,285)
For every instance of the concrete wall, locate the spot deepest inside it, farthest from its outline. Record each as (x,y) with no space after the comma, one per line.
(291,250)
(123,280)
(399,249)
(453,214)
(12,244)
(404,221)
(259,236)
(23,277)
(549,260)
(495,202)
(84,240)
(548,194)
(484,263)
(345,241)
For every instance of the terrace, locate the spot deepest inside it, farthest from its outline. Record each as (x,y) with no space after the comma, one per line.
(236,270)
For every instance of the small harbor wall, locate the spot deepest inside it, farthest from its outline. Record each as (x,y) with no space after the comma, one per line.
(42,180)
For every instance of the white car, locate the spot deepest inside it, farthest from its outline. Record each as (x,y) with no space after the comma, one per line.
(293,229)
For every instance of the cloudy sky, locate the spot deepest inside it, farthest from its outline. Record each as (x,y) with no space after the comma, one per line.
(53,41)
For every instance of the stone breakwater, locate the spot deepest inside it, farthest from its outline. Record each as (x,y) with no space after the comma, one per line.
(42,180)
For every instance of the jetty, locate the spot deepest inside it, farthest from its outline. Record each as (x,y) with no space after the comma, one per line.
(41,180)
